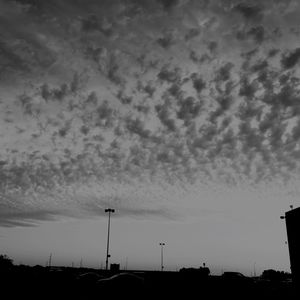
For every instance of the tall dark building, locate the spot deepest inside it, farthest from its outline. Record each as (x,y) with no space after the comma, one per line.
(292,219)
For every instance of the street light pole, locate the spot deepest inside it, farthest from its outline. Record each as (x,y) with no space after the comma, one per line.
(109,210)
(162,255)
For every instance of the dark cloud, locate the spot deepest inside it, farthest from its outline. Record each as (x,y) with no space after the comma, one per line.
(175,90)
(11,61)
(165,118)
(47,93)
(13,218)
(267,78)
(92,99)
(145,109)
(168,4)
(249,111)
(290,59)
(250,54)
(224,73)
(136,126)
(91,23)
(269,120)
(257,33)
(224,102)
(249,11)
(65,129)
(259,66)
(198,83)
(192,33)
(289,92)
(124,99)
(169,75)
(229,140)
(21,50)
(247,88)
(29,106)
(147,88)
(212,46)
(131,209)
(206,136)
(167,40)
(295,134)
(189,109)
(273,52)
(276,135)
(250,137)
(104,115)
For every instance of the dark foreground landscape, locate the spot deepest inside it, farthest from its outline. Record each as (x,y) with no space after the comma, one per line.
(24,282)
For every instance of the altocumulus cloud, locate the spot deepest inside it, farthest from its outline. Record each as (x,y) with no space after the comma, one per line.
(115,103)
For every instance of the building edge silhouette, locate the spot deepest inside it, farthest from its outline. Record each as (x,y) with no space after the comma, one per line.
(292,220)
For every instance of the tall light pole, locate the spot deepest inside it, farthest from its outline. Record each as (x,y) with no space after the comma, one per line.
(162,255)
(109,210)
(50,260)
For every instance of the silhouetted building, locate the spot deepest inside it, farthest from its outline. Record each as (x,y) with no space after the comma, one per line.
(292,219)
(202,271)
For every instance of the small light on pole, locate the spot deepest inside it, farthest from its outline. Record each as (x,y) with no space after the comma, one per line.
(109,210)
(162,255)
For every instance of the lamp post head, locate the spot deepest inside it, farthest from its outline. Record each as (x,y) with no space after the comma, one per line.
(109,210)
(161,244)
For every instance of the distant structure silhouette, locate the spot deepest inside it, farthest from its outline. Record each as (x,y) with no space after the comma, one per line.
(109,211)
(292,220)
(201,271)
(162,256)
(50,261)
(115,268)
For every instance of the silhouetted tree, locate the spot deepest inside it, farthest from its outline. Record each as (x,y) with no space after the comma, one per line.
(275,275)
(5,262)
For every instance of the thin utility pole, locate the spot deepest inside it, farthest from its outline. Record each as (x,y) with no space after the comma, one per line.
(109,210)
(50,260)
(162,255)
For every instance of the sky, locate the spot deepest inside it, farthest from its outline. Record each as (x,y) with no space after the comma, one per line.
(182,115)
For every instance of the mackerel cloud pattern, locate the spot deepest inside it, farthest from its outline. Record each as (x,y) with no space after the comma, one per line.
(126,102)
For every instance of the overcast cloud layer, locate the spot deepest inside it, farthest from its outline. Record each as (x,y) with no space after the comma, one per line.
(120,102)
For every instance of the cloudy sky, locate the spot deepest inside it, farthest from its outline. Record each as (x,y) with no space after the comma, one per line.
(183,115)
